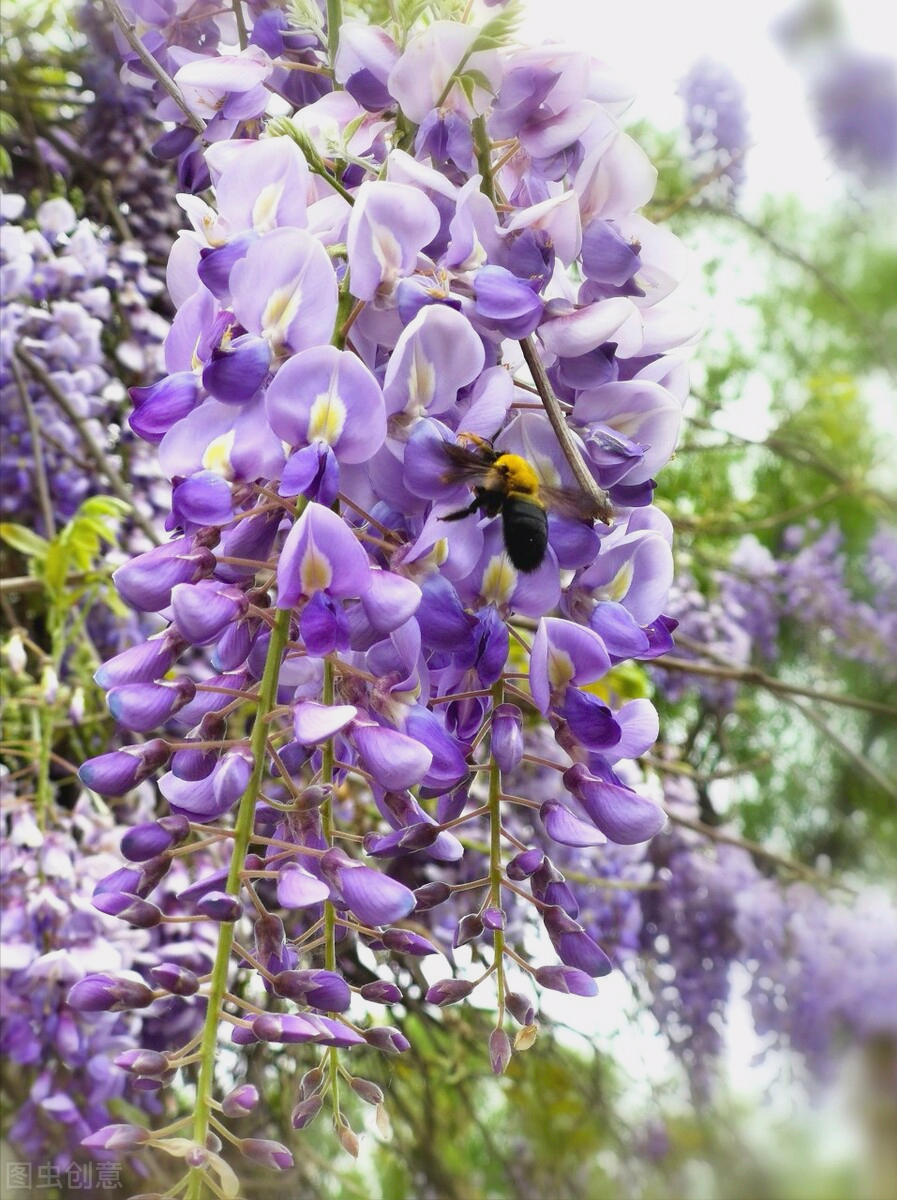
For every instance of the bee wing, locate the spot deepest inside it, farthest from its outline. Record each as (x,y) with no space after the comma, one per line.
(574,502)
(464,465)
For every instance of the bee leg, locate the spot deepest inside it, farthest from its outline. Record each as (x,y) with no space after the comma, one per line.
(464,512)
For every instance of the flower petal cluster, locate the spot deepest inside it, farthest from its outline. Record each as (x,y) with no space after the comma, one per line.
(354,300)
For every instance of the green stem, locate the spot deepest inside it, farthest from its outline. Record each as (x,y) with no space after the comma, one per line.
(242,834)
(327,758)
(334,22)
(242,38)
(483,147)
(495,869)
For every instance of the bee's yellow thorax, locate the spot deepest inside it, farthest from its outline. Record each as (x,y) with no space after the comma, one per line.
(519,473)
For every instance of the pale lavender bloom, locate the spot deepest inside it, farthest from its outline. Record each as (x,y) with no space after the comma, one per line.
(389,226)
(328,397)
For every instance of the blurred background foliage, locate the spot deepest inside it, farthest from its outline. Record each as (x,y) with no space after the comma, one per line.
(788,450)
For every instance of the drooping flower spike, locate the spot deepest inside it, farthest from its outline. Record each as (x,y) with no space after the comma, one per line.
(354,298)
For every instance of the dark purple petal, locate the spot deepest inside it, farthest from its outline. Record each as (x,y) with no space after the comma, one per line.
(567,980)
(144,706)
(620,813)
(162,405)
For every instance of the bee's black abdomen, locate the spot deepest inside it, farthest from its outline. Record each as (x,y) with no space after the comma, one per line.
(525,527)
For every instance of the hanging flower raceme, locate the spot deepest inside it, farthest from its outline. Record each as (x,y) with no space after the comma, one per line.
(380,624)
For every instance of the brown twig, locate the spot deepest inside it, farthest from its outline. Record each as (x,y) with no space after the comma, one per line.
(40,473)
(757,678)
(155,68)
(94,450)
(562,432)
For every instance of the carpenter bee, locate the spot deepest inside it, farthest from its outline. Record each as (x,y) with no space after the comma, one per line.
(508,484)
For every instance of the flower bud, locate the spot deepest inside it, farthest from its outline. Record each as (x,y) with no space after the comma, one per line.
(567,980)
(145,663)
(145,706)
(240,1101)
(76,706)
(369,1092)
(448,991)
(380,991)
(117,1137)
(142,1062)
(305,1112)
(520,1007)
(109,993)
(175,979)
(142,842)
(116,773)
(469,929)
(220,906)
(524,864)
(14,650)
(507,736)
(310,1082)
(283,1027)
(493,918)
(203,610)
(320,989)
(266,1153)
(499,1051)
(147,580)
(403,941)
(348,1139)
(49,684)
(137,912)
(387,1039)
(430,895)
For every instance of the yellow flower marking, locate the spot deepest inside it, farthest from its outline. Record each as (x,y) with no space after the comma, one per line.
(217,455)
(499,580)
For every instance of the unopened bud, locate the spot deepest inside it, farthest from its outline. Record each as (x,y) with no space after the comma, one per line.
(499,1051)
(49,684)
(305,1112)
(348,1139)
(369,1092)
(14,650)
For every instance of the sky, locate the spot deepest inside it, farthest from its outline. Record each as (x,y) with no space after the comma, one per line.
(653,43)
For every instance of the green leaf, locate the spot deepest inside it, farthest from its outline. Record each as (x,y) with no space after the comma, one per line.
(56,567)
(105,506)
(479,80)
(500,30)
(25,540)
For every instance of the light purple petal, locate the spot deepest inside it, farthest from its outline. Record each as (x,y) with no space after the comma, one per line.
(390,601)
(389,226)
(328,395)
(395,761)
(298,888)
(437,355)
(315,723)
(374,897)
(285,290)
(562,826)
(636,572)
(564,653)
(613,320)
(321,554)
(264,186)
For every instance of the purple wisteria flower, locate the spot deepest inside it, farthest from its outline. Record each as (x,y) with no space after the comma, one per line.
(336,685)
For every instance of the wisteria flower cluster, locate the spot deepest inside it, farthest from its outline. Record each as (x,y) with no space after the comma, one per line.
(76,315)
(439,248)
(847,609)
(69,1059)
(717,124)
